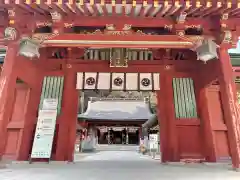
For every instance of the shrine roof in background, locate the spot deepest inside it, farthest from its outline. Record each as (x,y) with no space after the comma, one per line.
(2,55)
(117,109)
(235,59)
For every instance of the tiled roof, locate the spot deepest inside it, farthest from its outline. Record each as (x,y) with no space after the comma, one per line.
(121,110)
(2,55)
(235,59)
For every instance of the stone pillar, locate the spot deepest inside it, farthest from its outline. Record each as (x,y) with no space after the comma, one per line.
(7,87)
(140,134)
(230,105)
(127,138)
(108,136)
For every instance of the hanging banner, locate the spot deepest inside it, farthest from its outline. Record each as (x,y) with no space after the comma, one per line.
(43,139)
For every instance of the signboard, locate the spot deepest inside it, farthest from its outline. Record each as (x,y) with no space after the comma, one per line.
(42,144)
(50,103)
(153,141)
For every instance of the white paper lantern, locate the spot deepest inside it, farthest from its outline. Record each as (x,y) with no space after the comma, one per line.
(207,51)
(29,48)
(10,33)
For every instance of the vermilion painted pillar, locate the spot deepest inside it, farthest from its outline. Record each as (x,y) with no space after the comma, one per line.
(34,83)
(206,125)
(162,120)
(7,86)
(68,119)
(171,120)
(168,136)
(72,116)
(230,105)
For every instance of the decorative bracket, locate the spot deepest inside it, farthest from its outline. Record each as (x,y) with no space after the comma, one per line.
(56,17)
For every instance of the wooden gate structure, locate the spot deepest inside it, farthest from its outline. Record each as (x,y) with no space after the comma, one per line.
(197,105)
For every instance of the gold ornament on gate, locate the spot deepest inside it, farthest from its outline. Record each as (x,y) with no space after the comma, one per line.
(112,30)
(119,57)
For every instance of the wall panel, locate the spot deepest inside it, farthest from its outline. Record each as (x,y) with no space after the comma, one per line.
(186,119)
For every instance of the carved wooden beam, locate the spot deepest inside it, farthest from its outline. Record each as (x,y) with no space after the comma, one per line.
(95,10)
(150,11)
(133,8)
(218,7)
(138,22)
(27,6)
(185,5)
(128,41)
(55,7)
(67,8)
(142,10)
(114,8)
(175,7)
(76,8)
(165,7)
(124,10)
(104,8)
(194,8)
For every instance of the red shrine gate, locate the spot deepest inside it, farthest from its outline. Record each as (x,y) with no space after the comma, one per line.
(212,133)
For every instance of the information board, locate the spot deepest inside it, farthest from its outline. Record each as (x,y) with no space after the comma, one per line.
(43,139)
(50,103)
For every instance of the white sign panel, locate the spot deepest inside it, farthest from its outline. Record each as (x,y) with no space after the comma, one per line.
(50,103)
(103,82)
(42,144)
(80,81)
(132,81)
(156,84)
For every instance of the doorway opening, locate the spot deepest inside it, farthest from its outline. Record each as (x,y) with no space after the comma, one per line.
(113,119)
(118,135)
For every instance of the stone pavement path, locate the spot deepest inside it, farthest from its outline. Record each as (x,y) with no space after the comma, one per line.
(116,156)
(116,165)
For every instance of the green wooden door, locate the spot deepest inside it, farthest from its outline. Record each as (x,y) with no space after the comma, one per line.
(52,88)
(184,98)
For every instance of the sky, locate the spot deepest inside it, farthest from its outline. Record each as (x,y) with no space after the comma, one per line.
(237,50)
